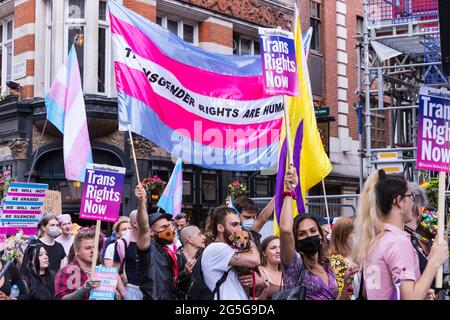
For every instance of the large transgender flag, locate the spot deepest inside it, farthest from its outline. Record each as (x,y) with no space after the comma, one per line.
(66,110)
(207,109)
(171,199)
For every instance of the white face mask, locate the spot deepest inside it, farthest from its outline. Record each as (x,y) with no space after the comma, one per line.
(125,233)
(248,224)
(54,232)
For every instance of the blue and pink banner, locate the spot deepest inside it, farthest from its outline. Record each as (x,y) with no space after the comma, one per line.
(66,110)
(108,284)
(172,197)
(102,192)
(21,208)
(433,132)
(207,109)
(278,61)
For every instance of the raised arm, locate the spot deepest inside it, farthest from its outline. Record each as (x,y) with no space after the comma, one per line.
(264,215)
(144,234)
(287,238)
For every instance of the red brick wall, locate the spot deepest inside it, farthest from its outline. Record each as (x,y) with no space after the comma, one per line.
(24,13)
(144,9)
(215,33)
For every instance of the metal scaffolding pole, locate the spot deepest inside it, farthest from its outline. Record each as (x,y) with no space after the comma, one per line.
(367,114)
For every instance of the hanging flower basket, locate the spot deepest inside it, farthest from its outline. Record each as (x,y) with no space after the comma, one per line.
(5,180)
(237,188)
(154,187)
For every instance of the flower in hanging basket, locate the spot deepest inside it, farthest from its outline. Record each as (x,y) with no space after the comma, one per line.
(5,180)
(155,184)
(237,188)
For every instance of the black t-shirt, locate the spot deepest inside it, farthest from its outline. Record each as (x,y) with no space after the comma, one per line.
(131,266)
(55,254)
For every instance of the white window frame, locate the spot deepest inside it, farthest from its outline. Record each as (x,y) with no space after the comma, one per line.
(3,46)
(181,22)
(252,44)
(48,44)
(74,23)
(105,24)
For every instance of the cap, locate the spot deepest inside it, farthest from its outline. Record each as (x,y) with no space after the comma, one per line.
(152,218)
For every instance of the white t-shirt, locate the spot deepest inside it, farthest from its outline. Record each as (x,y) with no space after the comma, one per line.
(109,253)
(215,261)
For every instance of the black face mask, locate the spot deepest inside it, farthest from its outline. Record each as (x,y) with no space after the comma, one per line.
(309,246)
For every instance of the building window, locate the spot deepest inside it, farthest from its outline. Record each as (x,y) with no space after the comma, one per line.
(75,24)
(378,130)
(209,188)
(315,24)
(48,44)
(104,48)
(186,30)
(243,45)
(359,25)
(6,52)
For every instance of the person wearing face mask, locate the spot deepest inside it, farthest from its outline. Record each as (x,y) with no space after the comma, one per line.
(250,220)
(159,265)
(302,249)
(50,230)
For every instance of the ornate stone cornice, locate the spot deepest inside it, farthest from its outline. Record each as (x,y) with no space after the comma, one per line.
(19,148)
(254,11)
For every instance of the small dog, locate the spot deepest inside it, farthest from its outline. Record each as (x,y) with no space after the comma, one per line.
(242,240)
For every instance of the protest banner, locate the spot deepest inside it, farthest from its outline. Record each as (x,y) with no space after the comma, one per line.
(278,61)
(52,203)
(21,209)
(102,196)
(433,146)
(102,192)
(108,284)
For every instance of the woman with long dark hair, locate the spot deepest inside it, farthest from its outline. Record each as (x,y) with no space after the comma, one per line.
(302,248)
(39,279)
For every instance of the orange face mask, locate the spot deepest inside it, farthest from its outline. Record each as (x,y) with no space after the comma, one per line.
(166,235)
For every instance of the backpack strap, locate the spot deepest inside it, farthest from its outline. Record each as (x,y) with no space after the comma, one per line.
(120,247)
(219,283)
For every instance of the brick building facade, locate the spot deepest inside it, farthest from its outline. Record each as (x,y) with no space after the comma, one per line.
(41,33)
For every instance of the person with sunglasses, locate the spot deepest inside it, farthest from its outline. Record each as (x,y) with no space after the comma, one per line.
(159,265)
(383,250)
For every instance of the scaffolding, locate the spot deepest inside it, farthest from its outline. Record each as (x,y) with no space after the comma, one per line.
(390,85)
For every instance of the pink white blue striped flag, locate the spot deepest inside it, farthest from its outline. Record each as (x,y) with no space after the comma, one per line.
(66,110)
(171,199)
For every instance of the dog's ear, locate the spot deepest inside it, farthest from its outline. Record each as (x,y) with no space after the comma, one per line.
(232,236)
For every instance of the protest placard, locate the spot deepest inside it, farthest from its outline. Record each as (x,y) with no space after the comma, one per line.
(108,284)
(278,61)
(102,192)
(21,207)
(52,203)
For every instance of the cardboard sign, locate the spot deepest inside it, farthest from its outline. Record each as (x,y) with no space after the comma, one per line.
(102,193)
(22,207)
(279,64)
(52,203)
(108,284)
(433,132)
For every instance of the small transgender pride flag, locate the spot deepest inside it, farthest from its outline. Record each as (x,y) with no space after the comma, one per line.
(171,199)
(66,110)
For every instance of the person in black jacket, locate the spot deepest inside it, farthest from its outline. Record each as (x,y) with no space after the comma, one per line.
(9,276)
(39,279)
(158,262)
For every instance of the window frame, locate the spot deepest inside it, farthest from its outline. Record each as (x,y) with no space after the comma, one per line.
(318,19)
(252,40)
(105,24)
(180,25)
(4,45)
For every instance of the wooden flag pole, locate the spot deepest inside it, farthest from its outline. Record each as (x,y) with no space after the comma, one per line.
(288,132)
(441,222)
(134,156)
(95,257)
(37,151)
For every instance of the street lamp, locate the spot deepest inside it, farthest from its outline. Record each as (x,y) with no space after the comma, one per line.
(14,86)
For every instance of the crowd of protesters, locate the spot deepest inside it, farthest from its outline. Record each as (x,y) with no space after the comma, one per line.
(389,251)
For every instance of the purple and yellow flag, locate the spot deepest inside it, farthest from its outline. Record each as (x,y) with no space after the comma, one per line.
(309,156)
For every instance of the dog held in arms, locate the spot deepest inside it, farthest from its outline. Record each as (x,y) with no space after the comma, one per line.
(241,241)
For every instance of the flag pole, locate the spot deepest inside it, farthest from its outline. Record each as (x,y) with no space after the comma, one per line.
(134,156)
(441,222)
(37,150)
(288,131)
